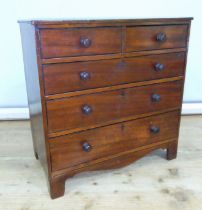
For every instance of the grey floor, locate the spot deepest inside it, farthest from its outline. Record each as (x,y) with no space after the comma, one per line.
(152,183)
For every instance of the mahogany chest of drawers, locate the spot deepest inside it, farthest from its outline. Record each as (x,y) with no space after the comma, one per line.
(103,93)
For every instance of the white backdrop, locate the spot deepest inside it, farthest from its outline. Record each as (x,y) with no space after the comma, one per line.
(12,82)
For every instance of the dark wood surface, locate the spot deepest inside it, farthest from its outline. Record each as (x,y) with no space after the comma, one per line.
(110,56)
(67,151)
(121,122)
(36,97)
(65,77)
(110,22)
(66,114)
(113,87)
(116,161)
(33,94)
(145,37)
(66,42)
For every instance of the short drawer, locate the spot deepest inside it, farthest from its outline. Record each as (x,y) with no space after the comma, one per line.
(80,41)
(65,77)
(94,109)
(75,149)
(155,37)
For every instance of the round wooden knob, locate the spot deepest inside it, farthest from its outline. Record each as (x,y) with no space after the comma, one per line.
(155,97)
(154,129)
(86,147)
(85,42)
(161,37)
(86,109)
(85,75)
(159,66)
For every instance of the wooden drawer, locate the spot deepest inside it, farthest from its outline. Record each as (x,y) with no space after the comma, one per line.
(65,77)
(84,111)
(74,149)
(83,41)
(155,37)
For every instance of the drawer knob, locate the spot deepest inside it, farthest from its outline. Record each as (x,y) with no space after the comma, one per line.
(161,37)
(85,75)
(86,147)
(159,67)
(86,109)
(155,97)
(85,42)
(154,129)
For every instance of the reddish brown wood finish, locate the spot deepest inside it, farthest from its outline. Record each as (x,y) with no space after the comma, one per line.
(113,22)
(65,77)
(145,38)
(172,150)
(66,42)
(120,56)
(58,181)
(67,151)
(107,162)
(110,56)
(66,114)
(35,95)
(110,88)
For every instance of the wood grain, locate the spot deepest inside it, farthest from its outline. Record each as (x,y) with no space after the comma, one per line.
(65,77)
(116,87)
(110,56)
(66,114)
(67,151)
(113,160)
(144,38)
(35,97)
(66,42)
(113,22)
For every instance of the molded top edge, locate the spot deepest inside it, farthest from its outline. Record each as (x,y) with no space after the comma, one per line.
(102,21)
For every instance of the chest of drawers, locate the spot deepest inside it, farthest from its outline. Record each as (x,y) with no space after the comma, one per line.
(103,93)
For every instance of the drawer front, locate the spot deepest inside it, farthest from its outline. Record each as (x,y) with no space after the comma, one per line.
(74,149)
(65,77)
(155,37)
(90,110)
(76,42)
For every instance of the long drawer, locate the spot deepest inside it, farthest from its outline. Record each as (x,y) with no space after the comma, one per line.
(65,77)
(86,110)
(80,41)
(155,37)
(74,149)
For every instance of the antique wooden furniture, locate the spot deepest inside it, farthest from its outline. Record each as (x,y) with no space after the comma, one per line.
(103,93)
